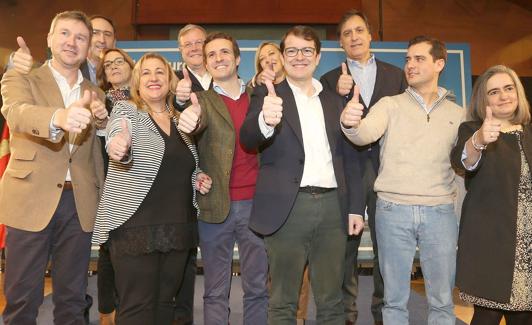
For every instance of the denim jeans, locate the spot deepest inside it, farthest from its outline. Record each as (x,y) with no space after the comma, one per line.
(434,229)
(217,241)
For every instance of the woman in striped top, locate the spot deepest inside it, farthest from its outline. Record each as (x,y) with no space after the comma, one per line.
(148,210)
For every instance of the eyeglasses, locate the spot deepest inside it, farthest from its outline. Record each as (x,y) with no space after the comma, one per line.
(118,62)
(306,51)
(189,45)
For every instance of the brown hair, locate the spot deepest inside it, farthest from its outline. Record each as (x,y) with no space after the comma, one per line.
(348,15)
(437,51)
(479,96)
(220,35)
(74,15)
(103,83)
(107,19)
(135,83)
(305,32)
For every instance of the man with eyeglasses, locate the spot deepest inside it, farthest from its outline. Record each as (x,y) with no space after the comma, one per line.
(193,76)
(304,192)
(375,79)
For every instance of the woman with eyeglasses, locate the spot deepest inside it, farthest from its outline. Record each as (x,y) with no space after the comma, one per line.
(494,261)
(113,75)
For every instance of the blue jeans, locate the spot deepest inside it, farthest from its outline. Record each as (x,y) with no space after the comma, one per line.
(434,229)
(217,241)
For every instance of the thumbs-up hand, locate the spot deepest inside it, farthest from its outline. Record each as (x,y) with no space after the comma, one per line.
(75,117)
(490,130)
(97,107)
(272,108)
(184,87)
(266,74)
(345,82)
(22,59)
(119,145)
(189,118)
(352,113)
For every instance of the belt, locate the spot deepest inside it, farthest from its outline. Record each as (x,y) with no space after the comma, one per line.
(67,185)
(316,189)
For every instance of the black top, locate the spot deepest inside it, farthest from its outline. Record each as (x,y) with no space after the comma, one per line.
(487,236)
(166,219)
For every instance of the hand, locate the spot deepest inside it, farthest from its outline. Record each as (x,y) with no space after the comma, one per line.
(184,87)
(352,113)
(120,143)
(490,130)
(22,59)
(203,183)
(189,118)
(345,82)
(272,108)
(76,117)
(98,107)
(356,224)
(266,74)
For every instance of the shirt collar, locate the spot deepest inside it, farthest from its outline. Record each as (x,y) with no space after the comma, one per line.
(315,83)
(59,77)
(442,92)
(219,90)
(371,61)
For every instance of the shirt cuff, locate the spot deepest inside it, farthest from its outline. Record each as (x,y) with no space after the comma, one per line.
(55,133)
(348,131)
(265,129)
(464,157)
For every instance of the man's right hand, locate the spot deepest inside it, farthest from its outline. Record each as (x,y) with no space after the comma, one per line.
(22,59)
(189,118)
(272,108)
(119,145)
(75,117)
(184,87)
(345,82)
(352,113)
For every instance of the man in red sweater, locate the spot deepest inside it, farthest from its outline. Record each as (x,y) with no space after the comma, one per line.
(215,117)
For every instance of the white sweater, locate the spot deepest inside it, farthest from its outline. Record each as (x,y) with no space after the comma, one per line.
(415,167)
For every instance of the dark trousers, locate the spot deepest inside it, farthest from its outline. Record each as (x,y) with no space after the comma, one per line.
(184,300)
(146,286)
(350,285)
(315,231)
(107,299)
(27,255)
(488,316)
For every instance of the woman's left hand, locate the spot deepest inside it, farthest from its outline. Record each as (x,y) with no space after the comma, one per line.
(203,183)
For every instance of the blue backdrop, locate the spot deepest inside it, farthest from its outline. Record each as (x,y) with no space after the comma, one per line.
(456,76)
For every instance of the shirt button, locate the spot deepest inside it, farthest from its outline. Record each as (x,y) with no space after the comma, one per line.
(60,185)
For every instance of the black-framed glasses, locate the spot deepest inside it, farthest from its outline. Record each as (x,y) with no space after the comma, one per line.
(118,62)
(306,51)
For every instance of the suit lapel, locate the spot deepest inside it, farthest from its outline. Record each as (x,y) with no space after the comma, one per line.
(379,83)
(290,114)
(48,85)
(219,107)
(330,117)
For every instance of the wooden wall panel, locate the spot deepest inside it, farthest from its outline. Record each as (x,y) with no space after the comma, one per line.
(241,11)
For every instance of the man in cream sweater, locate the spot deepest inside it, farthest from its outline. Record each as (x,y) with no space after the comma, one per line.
(415,182)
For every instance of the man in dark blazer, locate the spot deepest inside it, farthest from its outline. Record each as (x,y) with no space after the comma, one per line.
(304,193)
(193,76)
(375,80)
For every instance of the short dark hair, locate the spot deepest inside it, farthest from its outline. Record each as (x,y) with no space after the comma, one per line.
(305,32)
(437,51)
(109,20)
(220,35)
(348,15)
